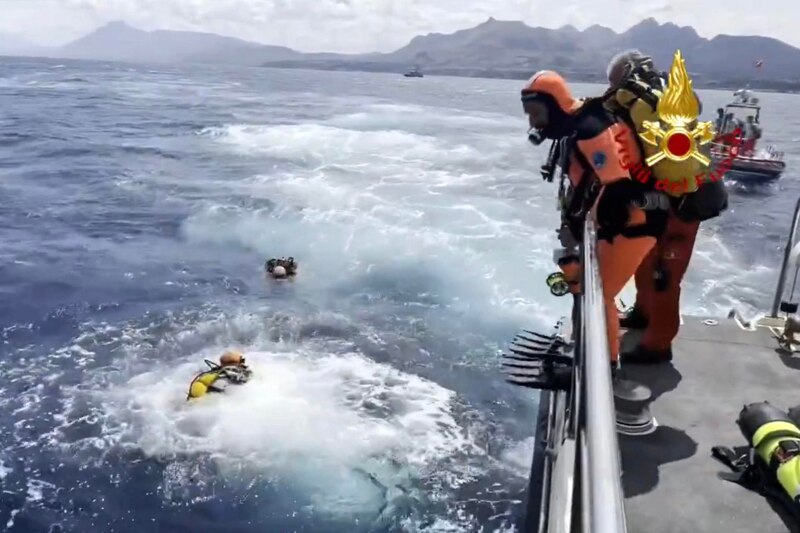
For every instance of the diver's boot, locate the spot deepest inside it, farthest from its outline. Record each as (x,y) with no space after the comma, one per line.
(633,319)
(645,356)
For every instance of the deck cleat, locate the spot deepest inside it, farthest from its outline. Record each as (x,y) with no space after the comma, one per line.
(631,391)
(636,424)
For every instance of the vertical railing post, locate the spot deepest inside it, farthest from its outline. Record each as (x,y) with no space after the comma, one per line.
(776,302)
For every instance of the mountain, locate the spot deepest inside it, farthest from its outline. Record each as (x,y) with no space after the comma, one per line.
(495,48)
(513,49)
(118,41)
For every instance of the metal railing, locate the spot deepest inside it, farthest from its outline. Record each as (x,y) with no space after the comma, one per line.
(776,302)
(581,421)
(576,481)
(605,507)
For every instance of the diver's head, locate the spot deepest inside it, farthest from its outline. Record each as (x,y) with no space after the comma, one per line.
(549,104)
(279,272)
(623,64)
(231,357)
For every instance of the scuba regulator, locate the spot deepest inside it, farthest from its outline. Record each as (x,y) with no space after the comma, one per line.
(558,284)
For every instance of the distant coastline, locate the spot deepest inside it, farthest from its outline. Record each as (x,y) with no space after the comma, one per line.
(700,81)
(763,85)
(499,49)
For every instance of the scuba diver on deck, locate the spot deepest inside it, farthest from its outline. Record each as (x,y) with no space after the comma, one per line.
(230,370)
(588,145)
(633,83)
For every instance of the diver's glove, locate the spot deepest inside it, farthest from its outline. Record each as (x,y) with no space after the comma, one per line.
(615,201)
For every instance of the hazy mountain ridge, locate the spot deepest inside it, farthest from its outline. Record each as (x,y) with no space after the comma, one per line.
(511,46)
(507,49)
(117,41)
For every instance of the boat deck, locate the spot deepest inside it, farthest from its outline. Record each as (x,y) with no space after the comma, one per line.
(671,482)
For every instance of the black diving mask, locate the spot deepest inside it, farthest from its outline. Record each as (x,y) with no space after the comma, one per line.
(536,135)
(558,123)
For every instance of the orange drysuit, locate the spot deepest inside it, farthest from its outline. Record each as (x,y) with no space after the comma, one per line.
(658,297)
(600,141)
(619,259)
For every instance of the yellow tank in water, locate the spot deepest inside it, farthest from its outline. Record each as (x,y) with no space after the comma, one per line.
(201,383)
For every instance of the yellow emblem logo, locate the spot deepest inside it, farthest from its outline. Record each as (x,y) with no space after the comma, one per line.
(677,111)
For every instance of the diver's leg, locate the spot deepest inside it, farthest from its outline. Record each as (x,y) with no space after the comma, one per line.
(676,252)
(618,261)
(638,316)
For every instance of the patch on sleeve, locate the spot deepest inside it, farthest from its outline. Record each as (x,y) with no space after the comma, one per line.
(599,159)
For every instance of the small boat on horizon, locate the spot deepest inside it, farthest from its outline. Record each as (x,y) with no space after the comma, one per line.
(414,73)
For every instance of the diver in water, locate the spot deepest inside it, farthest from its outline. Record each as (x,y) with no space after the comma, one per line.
(231,369)
(281,268)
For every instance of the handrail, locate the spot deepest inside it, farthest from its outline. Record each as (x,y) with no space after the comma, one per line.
(578,462)
(776,302)
(606,503)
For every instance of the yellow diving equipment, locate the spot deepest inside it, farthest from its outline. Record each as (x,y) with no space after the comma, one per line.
(202,383)
(771,464)
(232,370)
(670,138)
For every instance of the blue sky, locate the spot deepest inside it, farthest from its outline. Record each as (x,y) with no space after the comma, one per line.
(383,25)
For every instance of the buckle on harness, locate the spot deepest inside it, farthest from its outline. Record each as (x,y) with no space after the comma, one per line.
(786,450)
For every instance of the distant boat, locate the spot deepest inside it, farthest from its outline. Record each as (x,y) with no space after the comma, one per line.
(749,164)
(414,73)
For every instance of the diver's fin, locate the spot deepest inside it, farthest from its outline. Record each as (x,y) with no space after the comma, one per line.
(557,341)
(538,361)
(533,352)
(526,358)
(542,336)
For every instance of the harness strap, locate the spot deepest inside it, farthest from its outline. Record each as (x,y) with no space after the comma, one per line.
(584,194)
(746,473)
(549,167)
(736,462)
